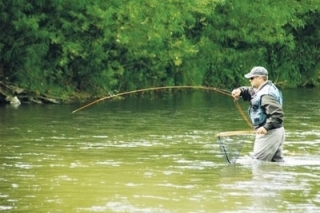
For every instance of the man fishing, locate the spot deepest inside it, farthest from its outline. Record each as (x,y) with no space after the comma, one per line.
(266,114)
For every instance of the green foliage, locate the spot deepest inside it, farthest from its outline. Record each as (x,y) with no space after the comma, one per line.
(99,47)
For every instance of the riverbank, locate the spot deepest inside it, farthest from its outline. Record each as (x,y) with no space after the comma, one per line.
(10,94)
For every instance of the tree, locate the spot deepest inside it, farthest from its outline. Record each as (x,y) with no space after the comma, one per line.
(60,48)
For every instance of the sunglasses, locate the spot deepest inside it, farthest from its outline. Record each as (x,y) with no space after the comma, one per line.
(252,78)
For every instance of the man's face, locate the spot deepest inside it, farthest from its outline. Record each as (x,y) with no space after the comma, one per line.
(256,81)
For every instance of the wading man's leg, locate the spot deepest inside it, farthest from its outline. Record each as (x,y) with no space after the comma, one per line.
(269,147)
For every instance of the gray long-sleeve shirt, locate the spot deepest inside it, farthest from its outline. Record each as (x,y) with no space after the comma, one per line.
(270,106)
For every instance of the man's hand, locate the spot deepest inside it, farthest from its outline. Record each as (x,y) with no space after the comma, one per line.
(236,94)
(261,130)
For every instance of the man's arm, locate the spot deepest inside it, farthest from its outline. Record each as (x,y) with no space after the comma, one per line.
(246,93)
(274,112)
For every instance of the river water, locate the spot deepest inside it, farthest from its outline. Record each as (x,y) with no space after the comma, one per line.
(154,154)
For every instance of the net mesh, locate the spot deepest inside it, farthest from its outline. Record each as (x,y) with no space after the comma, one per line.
(231,143)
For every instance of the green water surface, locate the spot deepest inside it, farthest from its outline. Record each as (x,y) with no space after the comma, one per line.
(159,154)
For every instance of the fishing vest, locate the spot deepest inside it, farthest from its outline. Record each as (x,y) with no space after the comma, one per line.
(257,115)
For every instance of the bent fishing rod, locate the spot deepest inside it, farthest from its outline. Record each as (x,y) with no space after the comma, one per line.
(222,91)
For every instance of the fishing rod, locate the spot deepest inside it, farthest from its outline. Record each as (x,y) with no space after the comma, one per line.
(225,92)
(222,91)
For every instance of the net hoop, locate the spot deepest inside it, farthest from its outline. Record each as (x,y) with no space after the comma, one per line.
(233,133)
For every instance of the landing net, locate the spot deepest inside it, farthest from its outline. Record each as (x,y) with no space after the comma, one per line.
(231,143)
